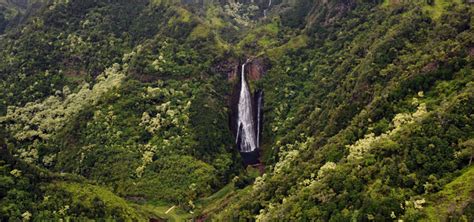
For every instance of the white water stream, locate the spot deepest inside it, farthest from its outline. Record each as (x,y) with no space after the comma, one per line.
(246,132)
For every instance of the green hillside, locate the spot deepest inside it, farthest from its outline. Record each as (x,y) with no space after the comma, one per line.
(123,110)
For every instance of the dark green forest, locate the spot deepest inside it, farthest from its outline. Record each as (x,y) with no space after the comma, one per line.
(120,110)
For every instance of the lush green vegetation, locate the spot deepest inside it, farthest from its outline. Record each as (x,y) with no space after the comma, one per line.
(115,93)
(367,119)
(454,200)
(118,110)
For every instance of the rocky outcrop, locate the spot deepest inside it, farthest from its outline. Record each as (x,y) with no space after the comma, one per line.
(229,67)
(256,69)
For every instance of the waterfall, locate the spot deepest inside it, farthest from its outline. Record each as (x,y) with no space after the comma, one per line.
(246,131)
(259,115)
(265,11)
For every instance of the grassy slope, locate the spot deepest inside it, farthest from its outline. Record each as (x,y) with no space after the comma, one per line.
(160,210)
(435,10)
(216,201)
(439,6)
(204,206)
(454,196)
(85,193)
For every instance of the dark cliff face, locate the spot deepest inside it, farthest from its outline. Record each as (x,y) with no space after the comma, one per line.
(234,98)
(256,69)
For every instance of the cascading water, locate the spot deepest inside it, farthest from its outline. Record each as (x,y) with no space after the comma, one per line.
(266,10)
(246,132)
(259,114)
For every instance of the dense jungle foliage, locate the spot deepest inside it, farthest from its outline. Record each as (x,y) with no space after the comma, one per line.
(119,110)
